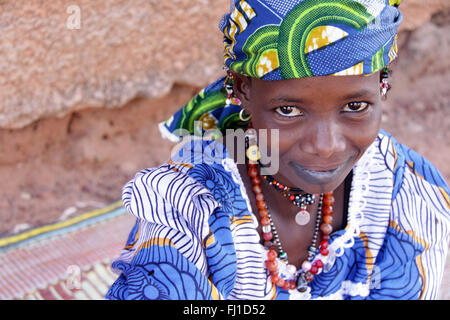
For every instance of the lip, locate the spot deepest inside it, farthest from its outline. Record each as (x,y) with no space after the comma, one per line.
(320,168)
(317,174)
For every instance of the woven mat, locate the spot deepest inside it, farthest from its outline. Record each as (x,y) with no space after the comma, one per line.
(69,260)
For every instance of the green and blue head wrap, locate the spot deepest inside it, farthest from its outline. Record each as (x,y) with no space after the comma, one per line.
(287,39)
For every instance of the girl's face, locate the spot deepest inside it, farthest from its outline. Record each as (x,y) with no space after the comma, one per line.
(325,124)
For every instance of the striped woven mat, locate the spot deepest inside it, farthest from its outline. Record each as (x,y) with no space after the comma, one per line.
(69,260)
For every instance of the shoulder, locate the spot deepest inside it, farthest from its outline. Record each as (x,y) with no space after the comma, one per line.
(417,226)
(167,196)
(420,198)
(198,178)
(407,164)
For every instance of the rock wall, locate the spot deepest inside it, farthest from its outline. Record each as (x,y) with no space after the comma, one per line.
(51,65)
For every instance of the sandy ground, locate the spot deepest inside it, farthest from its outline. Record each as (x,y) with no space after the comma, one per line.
(58,168)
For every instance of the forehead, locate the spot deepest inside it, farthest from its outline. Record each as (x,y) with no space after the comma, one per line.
(317,87)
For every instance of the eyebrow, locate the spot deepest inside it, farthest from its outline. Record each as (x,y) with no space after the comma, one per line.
(359,94)
(354,95)
(286,99)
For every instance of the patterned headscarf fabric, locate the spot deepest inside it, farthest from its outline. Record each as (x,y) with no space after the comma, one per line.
(279,39)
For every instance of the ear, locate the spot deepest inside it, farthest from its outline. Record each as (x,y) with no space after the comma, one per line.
(242,89)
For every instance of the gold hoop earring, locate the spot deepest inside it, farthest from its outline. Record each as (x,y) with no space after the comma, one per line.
(244,119)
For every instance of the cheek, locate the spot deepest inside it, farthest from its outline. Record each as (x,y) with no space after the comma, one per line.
(374,124)
(278,140)
(361,135)
(265,127)
(278,136)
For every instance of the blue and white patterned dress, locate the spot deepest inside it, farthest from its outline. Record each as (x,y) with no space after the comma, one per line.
(195,235)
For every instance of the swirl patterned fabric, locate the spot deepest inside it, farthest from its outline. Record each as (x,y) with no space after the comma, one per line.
(277,40)
(196,236)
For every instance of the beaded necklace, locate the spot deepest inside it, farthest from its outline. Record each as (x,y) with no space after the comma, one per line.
(301,199)
(296,279)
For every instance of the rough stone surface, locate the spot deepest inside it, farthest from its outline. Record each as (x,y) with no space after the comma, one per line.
(418,12)
(123,49)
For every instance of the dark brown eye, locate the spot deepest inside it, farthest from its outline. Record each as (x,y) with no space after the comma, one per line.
(355,106)
(288,111)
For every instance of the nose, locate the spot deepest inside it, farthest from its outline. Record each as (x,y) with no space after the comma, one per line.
(323,139)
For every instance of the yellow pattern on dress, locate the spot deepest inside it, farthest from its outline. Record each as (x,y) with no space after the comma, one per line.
(370,259)
(446,197)
(183,164)
(155,242)
(241,220)
(209,239)
(215,295)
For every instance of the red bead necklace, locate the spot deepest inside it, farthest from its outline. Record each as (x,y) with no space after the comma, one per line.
(270,236)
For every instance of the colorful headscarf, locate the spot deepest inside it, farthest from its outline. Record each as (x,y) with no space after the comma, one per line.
(278,39)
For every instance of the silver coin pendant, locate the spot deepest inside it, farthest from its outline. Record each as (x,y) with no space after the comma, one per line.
(302,217)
